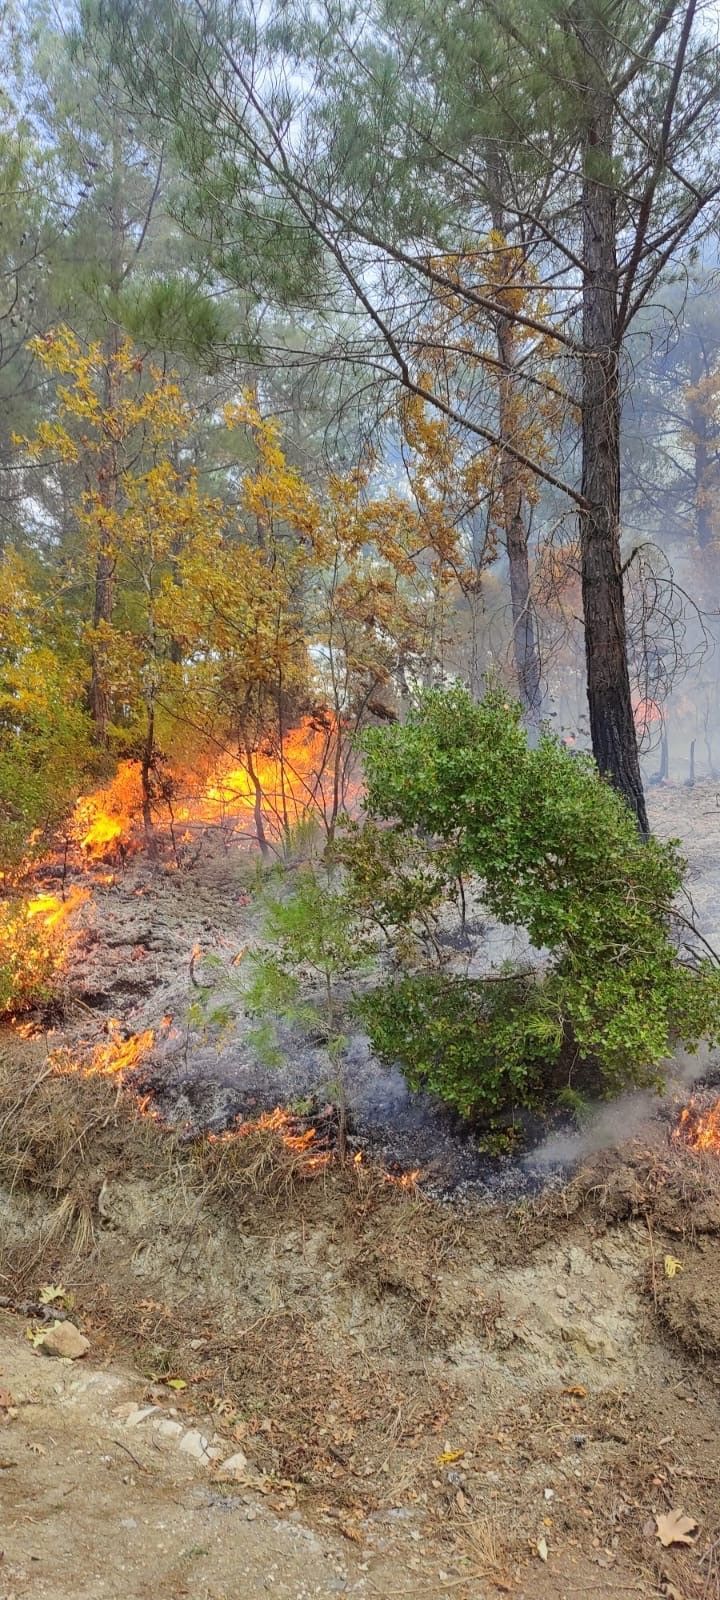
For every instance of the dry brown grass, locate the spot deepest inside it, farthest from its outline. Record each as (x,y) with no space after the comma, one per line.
(62,1137)
(666,1184)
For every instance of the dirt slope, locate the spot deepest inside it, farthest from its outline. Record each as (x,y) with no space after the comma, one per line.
(93,1505)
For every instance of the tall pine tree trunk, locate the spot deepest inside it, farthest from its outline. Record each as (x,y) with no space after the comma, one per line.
(525,639)
(109,477)
(526,644)
(526,647)
(612,725)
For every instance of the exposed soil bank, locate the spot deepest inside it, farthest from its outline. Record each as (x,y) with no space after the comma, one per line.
(426,1400)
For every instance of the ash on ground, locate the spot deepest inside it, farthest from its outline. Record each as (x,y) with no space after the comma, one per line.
(135,966)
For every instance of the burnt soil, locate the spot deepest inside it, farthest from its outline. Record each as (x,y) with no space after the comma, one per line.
(433,1396)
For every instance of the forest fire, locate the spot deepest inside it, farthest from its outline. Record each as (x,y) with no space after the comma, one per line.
(304,1141)
(103,821)
(700,1128)
(51,911)
(279,785)
(36,940)
(262,795)
(116,1056)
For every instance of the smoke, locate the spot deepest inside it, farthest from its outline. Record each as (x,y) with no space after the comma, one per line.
(611,1125)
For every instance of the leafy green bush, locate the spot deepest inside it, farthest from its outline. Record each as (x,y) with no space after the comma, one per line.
(400,883)
(555,851)
(478,1045)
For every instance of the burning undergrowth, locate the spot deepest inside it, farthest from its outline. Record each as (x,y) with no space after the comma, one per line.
(131,967)
(38,934)
(260,798)
(699,1126)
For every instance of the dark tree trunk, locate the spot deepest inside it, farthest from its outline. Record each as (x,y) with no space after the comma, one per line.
(258,804)
(525,639)
(102,614)
(146,767)
(526,645)
(612,725)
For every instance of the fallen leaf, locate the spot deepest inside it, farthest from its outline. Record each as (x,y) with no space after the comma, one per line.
(672,1266)
(176,1383)
(542,1549)
(448,1456)
(51,1292)
(673,1527)
(577,1389)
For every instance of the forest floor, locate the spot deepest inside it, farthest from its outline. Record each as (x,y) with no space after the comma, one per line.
(464,1398)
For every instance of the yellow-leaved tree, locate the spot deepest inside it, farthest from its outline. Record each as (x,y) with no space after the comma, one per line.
(115,441)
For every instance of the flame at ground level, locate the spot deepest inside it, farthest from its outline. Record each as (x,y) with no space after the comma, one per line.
(303,1142)
(308,774)
(700,1128)
(309,1144)
(105,820)
(116,1055)
(51,910)
(268,790)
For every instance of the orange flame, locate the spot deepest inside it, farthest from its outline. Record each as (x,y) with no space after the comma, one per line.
(288,783)
(700,1129)
(302,1141)
(645,712)
(307,775)
(36,941)
(52,910)
(104,820)
(405,1180)
(115,1056)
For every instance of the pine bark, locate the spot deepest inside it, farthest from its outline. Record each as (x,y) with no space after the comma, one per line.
(612,726)
(526,644)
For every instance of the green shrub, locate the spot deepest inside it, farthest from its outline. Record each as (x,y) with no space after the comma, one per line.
(481,1047)
(555,851)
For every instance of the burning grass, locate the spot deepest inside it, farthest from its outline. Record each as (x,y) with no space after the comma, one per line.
(104,822)
(265,796)
(63,1136)
(120,1053)
(344,1333)
(173,1246)
(37,936)
(699,1127)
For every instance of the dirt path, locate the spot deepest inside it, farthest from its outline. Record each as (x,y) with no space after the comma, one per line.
(95,1505)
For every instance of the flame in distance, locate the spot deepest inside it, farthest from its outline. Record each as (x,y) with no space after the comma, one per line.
(309,775)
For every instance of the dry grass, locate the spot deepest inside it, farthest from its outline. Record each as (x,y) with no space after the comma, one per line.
(62,1138)
(320,1412)
(309,1311)
(676,1187)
